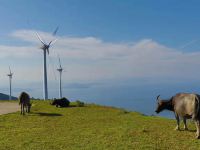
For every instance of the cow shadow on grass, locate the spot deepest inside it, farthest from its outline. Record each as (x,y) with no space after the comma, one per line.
(71,106)
(182,130)
(47,114)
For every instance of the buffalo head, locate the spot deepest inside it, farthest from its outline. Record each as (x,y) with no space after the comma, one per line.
(160,105)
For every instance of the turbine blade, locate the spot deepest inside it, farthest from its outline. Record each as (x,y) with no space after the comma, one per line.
(59,62)
(48,51)
(52,42)
(38,36)
(9,69)
(54,33)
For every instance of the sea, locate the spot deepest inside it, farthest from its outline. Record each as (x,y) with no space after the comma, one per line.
(140,98)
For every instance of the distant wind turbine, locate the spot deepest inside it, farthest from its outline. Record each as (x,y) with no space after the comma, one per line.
(60,69)
(45,47)
(10,82)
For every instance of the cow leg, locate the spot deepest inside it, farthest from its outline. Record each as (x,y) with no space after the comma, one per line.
(21,109)
(185,123)
(178,121)
(26,108)
(197,126)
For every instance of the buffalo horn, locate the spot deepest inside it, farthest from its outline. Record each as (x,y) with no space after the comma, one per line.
(158,98)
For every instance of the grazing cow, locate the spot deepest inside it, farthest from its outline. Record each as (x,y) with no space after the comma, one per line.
(24,101)
(183,105)
(63,102)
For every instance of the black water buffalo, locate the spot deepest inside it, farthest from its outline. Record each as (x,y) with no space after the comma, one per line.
(183,105)
(24,101)
(63,102)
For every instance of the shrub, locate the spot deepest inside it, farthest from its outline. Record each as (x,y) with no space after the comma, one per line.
(79,103)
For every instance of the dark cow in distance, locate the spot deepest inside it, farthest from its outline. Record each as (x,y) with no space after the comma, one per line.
(63,102)
(24,101)
(183,105)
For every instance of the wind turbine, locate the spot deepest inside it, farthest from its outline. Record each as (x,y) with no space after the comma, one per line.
(60,69)
(45,47)
(10,81)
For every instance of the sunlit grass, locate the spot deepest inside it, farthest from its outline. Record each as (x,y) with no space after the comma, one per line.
(91,127)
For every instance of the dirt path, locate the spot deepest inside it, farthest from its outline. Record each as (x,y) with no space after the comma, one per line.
(8,107)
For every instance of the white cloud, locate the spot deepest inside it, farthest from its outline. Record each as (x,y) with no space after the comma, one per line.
(90,59)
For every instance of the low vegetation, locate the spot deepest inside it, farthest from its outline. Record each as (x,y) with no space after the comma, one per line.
(91,127)
(79,103)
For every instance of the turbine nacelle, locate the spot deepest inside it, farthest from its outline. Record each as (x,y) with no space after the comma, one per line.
(60,69)
(10,74)
(45,47)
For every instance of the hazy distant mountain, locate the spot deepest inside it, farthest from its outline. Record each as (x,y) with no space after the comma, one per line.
(6,97)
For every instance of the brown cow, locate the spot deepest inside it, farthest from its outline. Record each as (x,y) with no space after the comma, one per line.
(183,105)
(24,101)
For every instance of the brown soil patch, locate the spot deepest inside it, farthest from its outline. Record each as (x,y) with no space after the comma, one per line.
(8,107)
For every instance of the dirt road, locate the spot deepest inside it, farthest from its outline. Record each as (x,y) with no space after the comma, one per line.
(8,107)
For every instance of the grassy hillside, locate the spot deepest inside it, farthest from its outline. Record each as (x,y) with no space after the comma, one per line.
(91,127)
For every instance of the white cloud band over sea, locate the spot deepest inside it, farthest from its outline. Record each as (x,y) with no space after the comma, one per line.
(89,62)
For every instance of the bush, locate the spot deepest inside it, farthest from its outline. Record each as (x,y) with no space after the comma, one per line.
(79,103)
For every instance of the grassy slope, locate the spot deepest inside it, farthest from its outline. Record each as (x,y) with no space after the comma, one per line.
(91,127)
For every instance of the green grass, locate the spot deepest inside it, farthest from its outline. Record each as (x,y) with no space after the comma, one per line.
(92,128)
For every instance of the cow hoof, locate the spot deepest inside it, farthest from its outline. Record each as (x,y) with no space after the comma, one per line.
(177,129)
(186,129)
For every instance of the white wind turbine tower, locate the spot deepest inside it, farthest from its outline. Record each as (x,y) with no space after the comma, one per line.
(10,82)
(60,69)
(45,47)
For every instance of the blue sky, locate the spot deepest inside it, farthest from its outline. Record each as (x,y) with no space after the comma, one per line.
(170,22)
(110,49)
